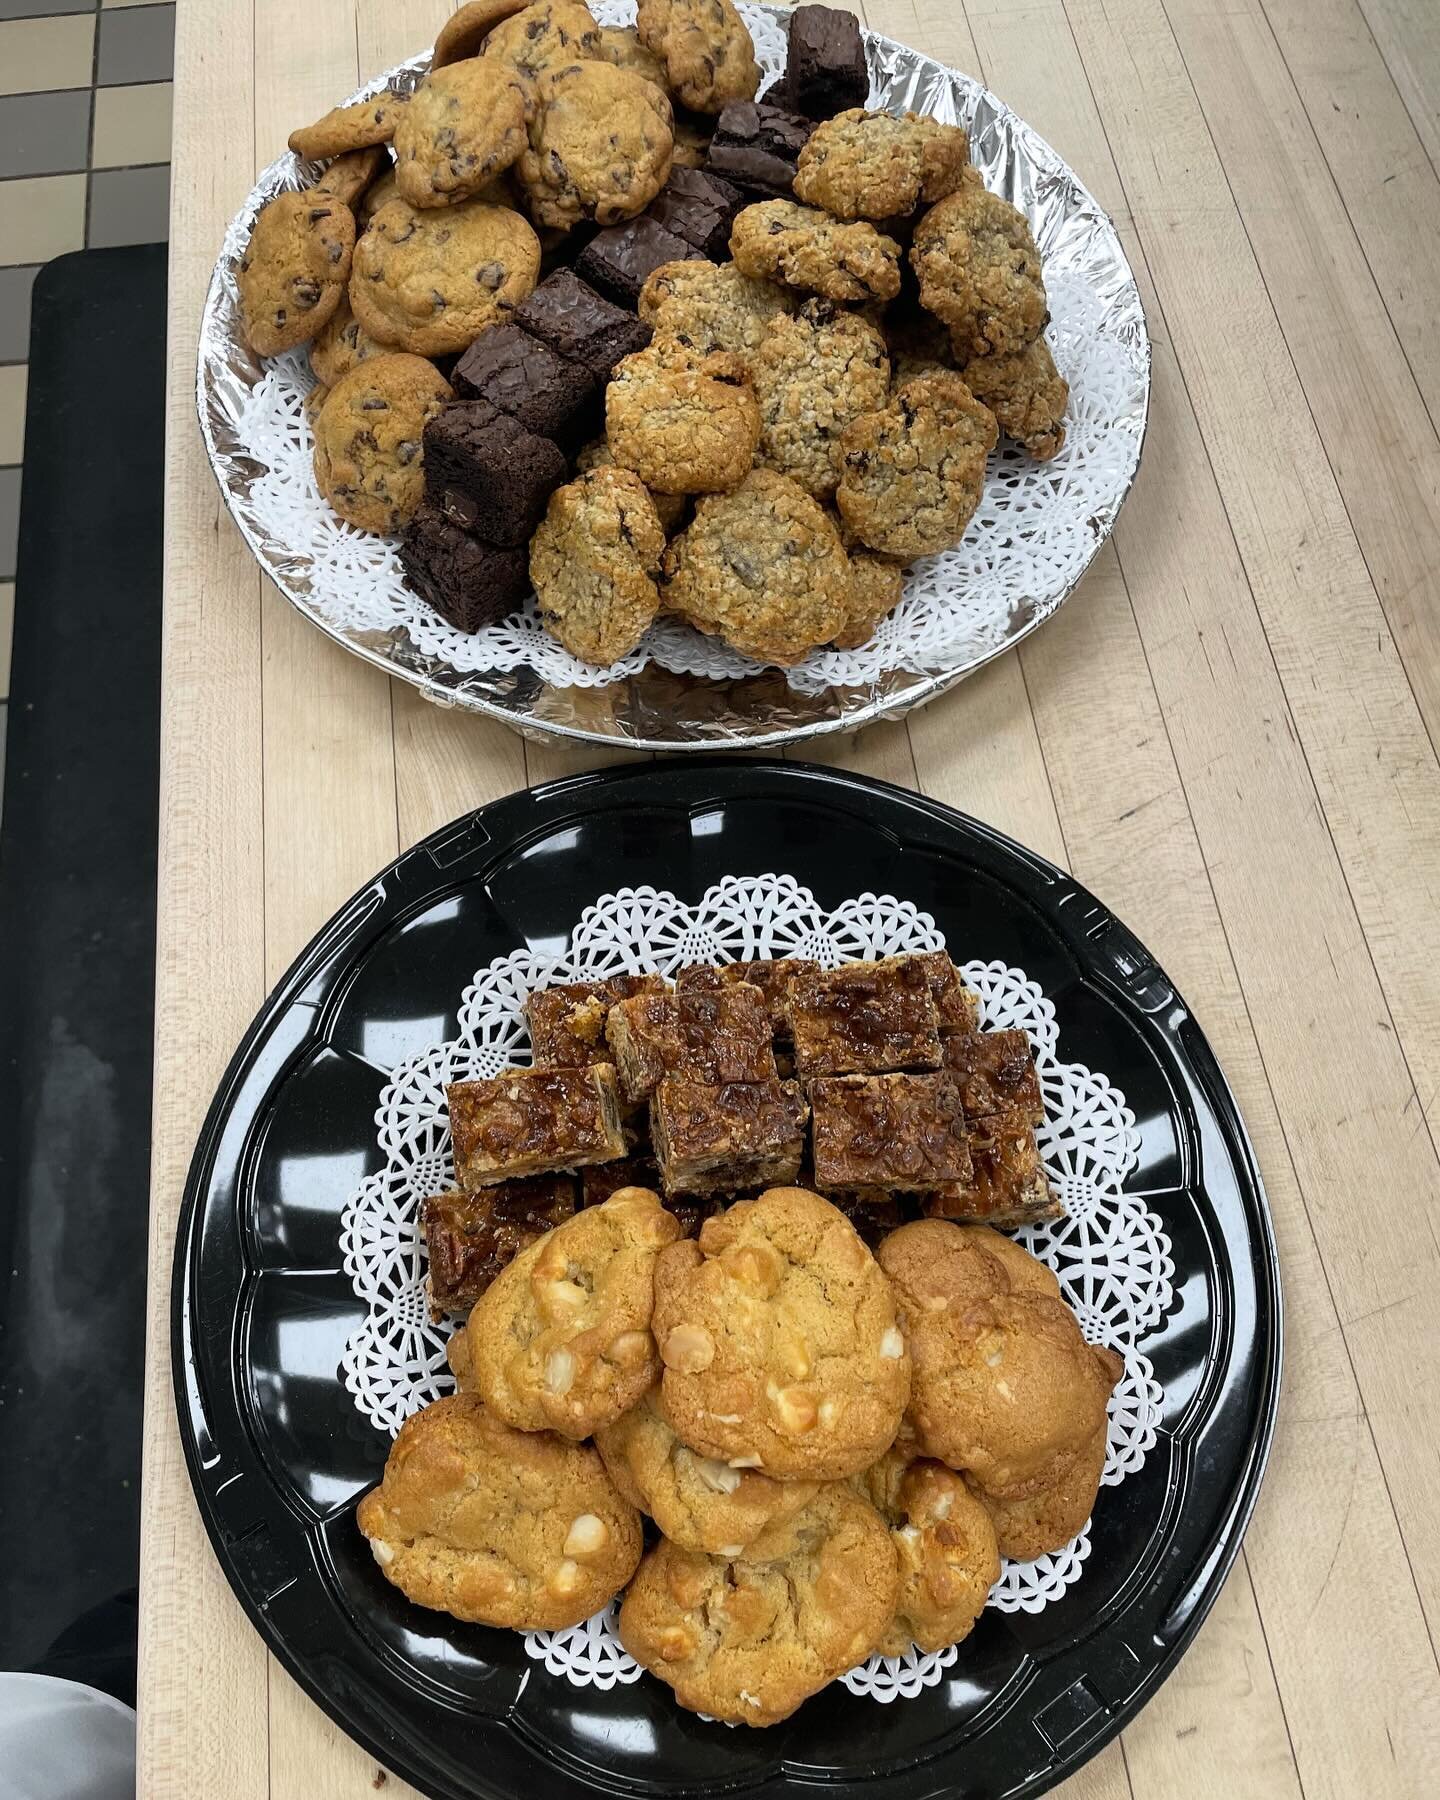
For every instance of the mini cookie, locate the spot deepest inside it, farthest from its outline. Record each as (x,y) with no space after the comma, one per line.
(780,1342)
(341,345)
(593,564)
(352,127)
(464,126)
(809,250)
(432,281)
(465,31)
(747,1642)
(763,568)
(670,509)
(293,273)
(1027,395)
(368,460)
(685,424)
(708,54)
(562,1338)
(620,44)
(945,1548)
(599,145)
(979,271)
(495,1526)
(711,306)
(698,1502)
(814,375)
(1050,1519)
(876,589)
(912,472)
(547,35)
(872,165)
(351,175)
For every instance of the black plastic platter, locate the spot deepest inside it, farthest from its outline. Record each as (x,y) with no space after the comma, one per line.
(278,1453)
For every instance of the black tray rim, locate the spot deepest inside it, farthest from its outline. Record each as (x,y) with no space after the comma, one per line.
(738,777)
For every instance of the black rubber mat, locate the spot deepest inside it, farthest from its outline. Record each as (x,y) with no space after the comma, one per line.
(77,953)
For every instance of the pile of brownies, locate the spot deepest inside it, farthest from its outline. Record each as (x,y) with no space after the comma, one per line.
(871,1083)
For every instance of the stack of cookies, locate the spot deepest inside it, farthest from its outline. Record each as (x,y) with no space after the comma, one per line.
(834,1444)
(777,343)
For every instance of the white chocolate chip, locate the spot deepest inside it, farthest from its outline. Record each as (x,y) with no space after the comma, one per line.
(717,1476)
(744,1462)
(559,1372)
(828,1413)
(994,1359)
(565,1579)
(383,1553)
(726,1418)
(688,1349)
(731,1550)
(748,1698)
(562,1299)
(1003,1389)
(892,1345)
(587,1536)
(794,1408)
(630,1349)
(943,1505)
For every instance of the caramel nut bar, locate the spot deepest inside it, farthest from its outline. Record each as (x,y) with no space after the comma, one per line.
(724,1139)
(1009,1185)
(772,975)
(996,1072)
(711,1037)
(892,1133)
(533,1122)
(956,1006)
(567,1024)
(471,1237)
(864,1018)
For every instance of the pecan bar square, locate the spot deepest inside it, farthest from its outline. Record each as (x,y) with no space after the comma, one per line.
(567,1023)
(533,1122)
(471,1237)
(1009,1185)
(864,1019)
(997,1074)
(889,1133)
(724,1139)
(956,1006)
(772,975)
(714,1037)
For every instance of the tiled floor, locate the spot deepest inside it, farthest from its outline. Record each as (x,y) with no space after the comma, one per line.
(84,161)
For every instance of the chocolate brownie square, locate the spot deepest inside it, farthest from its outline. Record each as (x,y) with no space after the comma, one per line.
(758,145)
(532,383)
(619,259)
(470,583)
(580,324)
(825,70)
(489,474)
(699,208)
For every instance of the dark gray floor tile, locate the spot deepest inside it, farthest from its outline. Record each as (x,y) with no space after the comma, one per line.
(44,134)
(15,286)
(129,206)
(137,43)
(9,520)
(43,9)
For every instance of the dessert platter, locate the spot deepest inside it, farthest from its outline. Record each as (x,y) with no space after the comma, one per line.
(786,1315)
(685,374)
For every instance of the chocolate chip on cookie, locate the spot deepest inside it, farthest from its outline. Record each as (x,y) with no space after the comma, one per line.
(593,564)
(815,374)
(620,44)
(294,269)
(350,175)
(809,250)
(351,127)
(708,54)
(873,165)
(979,271)
(368,440)
(599,147)
(464,126)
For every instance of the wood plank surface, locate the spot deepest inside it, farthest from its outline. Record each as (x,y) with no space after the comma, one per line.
(1228,733)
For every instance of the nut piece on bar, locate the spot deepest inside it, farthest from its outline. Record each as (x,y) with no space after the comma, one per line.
(996,1072)
(772,975)
(567,1023)
(532,1122)
(710,1037)
(958,1007)
(864,1018)
(725,1139)
(471,1237)
(1008,1186)
(892,1133)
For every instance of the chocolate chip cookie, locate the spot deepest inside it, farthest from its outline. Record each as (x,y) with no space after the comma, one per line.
(814,375)
(352,127)
(547,35)
(432,281)
(464,126)
(599,145)
(912,472)
(876,589)
(464,32)
(945,1548)
(1027,394)
(496,1526)
(620,44)
(872,165)
(593,564)
(979,271)
(807,249)
(747,1641)
(708,54)
(352,174)
(762,568)
(779,1337)
(293,273)
(711,306)
(341,345)
(684,423)
(368,438)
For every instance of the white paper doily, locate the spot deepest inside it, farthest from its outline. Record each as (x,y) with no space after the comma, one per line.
(1029,542)
(1110,1252)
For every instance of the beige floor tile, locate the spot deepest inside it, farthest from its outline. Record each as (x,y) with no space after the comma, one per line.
(132,125)
(41,217)
(39,54)
(12,412)
(7,626)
